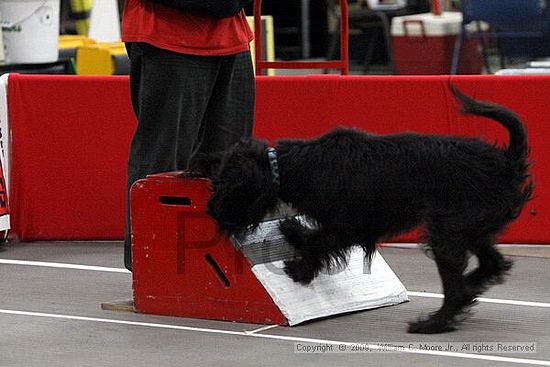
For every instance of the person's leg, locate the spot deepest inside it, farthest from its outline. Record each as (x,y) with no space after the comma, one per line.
(230,112)
(134,53)
(136,57)
(170,93)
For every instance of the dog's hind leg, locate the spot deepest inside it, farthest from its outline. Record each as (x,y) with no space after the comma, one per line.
(449,258)
(491,270)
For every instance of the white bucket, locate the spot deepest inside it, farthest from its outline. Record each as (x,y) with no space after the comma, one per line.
(30,30)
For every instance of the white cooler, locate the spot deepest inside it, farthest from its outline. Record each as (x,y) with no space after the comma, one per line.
(424,44)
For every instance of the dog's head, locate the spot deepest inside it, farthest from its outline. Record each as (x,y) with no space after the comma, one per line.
(242,185)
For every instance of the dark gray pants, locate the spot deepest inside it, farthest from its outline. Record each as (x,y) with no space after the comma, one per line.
(184,104)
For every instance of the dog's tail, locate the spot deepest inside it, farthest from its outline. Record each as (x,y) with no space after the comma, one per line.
(518,148)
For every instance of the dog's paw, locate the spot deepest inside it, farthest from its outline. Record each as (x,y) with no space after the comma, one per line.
(298,272)
(431,325)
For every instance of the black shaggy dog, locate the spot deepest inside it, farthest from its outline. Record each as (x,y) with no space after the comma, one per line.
(360,188)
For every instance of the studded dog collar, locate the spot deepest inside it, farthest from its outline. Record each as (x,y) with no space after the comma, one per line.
(274,164)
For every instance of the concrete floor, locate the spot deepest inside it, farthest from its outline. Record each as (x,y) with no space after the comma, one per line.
(51,315)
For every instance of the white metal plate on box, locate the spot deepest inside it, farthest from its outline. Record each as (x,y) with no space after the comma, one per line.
(351,289)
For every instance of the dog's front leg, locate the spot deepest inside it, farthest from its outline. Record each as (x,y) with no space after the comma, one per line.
(302,269)
(316,249)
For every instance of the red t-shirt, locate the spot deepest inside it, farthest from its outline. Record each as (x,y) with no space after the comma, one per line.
(171,29)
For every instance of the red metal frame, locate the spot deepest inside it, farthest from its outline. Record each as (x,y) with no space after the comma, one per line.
(436,7)
(342,63)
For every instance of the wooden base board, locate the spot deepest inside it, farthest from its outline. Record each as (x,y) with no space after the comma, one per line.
(126,305)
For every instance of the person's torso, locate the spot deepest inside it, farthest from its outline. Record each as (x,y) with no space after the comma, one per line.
(171,29)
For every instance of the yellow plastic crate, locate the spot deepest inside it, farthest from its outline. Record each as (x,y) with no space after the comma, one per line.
(102,59)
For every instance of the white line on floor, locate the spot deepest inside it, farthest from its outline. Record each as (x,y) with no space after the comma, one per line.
(63,266)
(277,337)
(259,330)
(412,245)
(486,300)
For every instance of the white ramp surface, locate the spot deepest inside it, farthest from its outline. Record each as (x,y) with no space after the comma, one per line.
(357,287)
(351,289)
